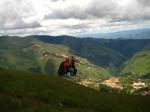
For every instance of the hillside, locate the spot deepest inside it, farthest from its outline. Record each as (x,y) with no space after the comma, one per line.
(102,52)
(30,54)
(42,54)
(27,92)
(89,48)
(138,65)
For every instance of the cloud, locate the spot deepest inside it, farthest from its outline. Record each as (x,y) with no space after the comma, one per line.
(57,17)
(14,13)
(130,10)
(57,0)
(144,2)
(95,9)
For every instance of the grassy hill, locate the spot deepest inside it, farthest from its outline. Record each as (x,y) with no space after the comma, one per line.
(27,92)
(103,52)
(31,54)
(138,65)
(42,54)
(89,48)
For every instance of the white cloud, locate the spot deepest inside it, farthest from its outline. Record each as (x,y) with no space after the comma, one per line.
(14,13)
(59,17)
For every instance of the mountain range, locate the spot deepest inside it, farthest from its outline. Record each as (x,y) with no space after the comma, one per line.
(143,33)
(115,71)
(98,57)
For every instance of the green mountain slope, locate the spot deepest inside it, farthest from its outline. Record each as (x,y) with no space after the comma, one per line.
(31,54)
(103,52)
(89,48)
(138,65)
(43,54)
(26,92)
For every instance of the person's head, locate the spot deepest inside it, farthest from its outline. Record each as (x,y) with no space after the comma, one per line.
(72,57)
(66,59)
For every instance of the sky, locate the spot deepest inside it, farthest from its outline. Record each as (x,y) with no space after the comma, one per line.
(72,17)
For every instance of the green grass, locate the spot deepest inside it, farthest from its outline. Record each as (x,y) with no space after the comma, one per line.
(139,64)
(28,54)
(93,72)
(28,92)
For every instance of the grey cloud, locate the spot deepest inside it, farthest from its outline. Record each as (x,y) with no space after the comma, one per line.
(105,9)
(144,2)
(14,21)
(70,12)
(137,11)
(78,26)
(12,15)
(97,9)
(102,8)
(19,24)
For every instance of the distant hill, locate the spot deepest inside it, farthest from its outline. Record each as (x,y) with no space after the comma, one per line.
(28,92)
(126,34)
(138,65)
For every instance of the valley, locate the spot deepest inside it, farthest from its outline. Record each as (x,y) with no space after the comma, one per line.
(110,62)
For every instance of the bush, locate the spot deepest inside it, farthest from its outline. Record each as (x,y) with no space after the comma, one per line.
(107,89)
(127,90)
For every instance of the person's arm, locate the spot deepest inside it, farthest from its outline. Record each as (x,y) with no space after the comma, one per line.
(65,67)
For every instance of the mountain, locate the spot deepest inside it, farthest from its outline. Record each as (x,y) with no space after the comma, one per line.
(31,54)
(28,92)
(102,52)
(88,48)
(42,54)
(138,65)
(126,34)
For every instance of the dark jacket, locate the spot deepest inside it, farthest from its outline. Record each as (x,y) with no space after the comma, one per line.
(63,68)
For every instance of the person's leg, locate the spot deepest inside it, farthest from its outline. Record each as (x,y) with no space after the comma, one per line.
(61,69)
(70,70)
(66,72)
(75,72)
(60,73)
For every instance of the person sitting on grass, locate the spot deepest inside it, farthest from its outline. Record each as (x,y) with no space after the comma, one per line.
(68,66)
(72,68)
(64,67)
